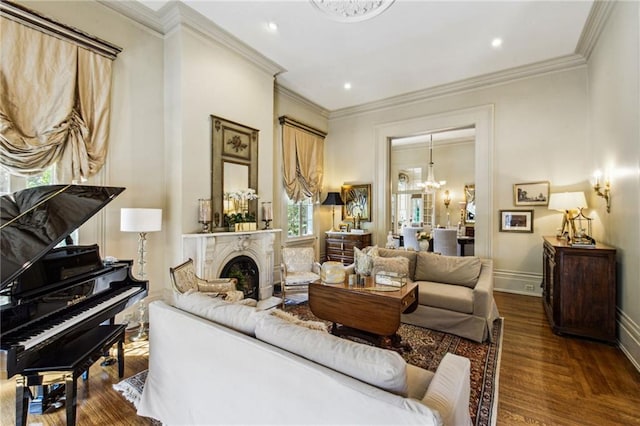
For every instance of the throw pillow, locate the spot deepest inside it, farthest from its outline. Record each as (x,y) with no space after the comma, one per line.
(448,269)
(378,367)
(313,325)
(398,264)
(236,316)
(364,259)
(409,254)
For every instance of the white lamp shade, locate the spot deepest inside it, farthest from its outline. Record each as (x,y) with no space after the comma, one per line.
(140,220)
(563,201)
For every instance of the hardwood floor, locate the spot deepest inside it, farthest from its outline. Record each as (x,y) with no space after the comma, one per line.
(547,379)
(544,379)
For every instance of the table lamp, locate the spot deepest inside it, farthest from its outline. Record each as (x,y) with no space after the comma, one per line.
(566,202)
(333,199)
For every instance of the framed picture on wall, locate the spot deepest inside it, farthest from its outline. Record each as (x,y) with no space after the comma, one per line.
(516,221)
(357,200)
(531,194)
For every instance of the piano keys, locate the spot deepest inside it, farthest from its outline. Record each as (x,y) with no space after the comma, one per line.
(52,291)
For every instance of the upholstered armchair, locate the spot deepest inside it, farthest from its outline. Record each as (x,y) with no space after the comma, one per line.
(184,278)
(298,269)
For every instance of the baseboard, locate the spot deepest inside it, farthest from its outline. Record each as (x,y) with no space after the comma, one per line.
(517,282)
(629,338)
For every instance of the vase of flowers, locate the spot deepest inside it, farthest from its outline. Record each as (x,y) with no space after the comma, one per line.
(237,216)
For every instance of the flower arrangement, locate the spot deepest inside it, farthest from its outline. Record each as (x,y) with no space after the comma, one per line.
(240,211)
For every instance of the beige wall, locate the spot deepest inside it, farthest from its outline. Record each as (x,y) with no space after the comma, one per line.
(538,123)
(614,137)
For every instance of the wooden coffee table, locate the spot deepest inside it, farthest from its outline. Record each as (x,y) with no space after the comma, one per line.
(364,312)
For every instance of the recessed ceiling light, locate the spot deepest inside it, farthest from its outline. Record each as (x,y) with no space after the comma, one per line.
(496,42)
(272,26)
(347,86)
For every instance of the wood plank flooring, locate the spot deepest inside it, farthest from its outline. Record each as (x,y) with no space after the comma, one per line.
(544,379)
(547,379)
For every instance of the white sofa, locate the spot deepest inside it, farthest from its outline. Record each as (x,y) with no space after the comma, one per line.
(202,372)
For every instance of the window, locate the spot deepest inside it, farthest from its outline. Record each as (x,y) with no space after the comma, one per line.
(299,218)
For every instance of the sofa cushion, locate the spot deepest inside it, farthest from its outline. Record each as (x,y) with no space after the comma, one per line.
(398,264)
(364,259)
(237,316)
(448,269)
(456,298)
(409,254)
(378,367)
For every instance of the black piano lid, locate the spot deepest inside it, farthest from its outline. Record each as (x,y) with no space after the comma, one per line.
(33,221)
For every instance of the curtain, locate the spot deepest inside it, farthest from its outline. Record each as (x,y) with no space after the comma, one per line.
(54,104)
(303,159)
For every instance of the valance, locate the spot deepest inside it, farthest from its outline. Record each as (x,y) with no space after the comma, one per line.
(54,103)
(303,160)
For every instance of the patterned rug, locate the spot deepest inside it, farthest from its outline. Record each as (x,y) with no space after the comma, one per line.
(430,346)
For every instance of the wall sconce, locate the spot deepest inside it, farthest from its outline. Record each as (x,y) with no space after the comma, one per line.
(603,190)
(447,200)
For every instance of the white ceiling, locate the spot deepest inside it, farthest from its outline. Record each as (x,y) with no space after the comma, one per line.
(413,45)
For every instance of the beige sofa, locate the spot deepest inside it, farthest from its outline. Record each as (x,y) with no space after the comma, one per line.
(216,362)
(455,293)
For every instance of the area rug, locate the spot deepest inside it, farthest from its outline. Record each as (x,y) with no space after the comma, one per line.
(428,349)
(430,346)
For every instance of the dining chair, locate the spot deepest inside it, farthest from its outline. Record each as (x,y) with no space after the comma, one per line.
(445,241)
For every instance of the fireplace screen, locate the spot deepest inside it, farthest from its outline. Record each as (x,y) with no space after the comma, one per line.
(245,270)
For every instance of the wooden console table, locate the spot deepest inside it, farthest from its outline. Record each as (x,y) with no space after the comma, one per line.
(579,289)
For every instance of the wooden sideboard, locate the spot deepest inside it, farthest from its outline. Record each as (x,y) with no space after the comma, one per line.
(339,245)
(579,289)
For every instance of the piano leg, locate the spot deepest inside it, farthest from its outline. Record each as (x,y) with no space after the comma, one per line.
(71,387)
(121,357)
(22,400)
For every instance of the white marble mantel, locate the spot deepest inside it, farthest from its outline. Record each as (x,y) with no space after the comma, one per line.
(210,252)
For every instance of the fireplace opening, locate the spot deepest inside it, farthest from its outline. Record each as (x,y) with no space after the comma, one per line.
(245,270)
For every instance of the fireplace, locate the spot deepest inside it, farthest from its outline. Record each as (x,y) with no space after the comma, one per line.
(249,253)
(245,270)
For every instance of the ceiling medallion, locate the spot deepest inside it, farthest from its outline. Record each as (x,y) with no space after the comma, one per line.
(351,10)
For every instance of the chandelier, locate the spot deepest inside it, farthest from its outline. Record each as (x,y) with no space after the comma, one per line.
(432,184)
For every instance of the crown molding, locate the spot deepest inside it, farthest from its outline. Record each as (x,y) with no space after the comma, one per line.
(137,12)
(281,90)
(600,11)
(561,63)
(175,14)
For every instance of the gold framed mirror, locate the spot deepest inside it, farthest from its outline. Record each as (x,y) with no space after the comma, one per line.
(234,163)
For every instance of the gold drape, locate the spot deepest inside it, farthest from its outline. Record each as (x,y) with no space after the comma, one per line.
(303,160)
(54,104)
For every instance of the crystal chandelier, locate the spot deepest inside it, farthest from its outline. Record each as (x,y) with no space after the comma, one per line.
(432,184)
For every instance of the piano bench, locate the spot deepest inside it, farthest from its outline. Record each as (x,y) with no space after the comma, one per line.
(68,362)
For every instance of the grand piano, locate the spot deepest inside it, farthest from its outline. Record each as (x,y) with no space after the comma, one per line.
(57,299)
